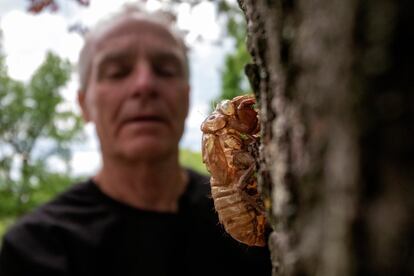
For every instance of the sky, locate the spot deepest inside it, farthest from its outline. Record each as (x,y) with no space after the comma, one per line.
(26,38)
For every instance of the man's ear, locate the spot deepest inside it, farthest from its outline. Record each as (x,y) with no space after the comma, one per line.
(83,106)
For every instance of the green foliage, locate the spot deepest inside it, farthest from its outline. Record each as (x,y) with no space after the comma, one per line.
(43,188)
(192,160)
(233,79)
(49,185)
(5,223)
(30,114)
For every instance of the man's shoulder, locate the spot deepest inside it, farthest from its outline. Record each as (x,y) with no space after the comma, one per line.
(73,201)
(199,186)
(41,238)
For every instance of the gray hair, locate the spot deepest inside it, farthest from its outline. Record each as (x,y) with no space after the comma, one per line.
(166,19)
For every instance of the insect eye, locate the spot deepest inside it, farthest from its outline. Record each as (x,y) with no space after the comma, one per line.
(226,107)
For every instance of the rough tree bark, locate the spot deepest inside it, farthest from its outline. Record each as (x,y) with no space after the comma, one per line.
(335,88)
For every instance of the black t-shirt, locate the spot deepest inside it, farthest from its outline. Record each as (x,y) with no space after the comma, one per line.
(85,232)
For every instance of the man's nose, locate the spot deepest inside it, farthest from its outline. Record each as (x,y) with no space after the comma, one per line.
(143,80)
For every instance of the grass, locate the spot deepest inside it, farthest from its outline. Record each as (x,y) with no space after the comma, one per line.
(5,223)
(192,160)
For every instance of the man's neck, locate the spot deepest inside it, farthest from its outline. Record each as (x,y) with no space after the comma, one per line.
(153,186)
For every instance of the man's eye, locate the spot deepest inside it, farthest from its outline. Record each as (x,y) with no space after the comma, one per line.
(116,72)
(166,70)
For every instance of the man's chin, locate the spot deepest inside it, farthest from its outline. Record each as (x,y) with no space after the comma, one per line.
(147,151)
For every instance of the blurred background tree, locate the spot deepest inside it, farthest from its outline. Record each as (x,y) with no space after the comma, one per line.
(33,116)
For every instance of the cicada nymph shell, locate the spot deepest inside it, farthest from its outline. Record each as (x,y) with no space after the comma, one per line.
(229,133)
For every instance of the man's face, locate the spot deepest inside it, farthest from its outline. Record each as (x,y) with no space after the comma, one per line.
(137,92)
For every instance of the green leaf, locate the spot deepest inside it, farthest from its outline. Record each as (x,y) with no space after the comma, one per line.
(29,114)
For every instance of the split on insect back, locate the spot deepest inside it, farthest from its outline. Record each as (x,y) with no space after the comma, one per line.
(229,134)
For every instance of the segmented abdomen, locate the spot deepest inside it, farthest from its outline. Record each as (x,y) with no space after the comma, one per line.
(239,219)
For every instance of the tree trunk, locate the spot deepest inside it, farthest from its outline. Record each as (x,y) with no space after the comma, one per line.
(336,99)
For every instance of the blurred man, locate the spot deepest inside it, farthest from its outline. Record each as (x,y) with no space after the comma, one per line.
(141,214)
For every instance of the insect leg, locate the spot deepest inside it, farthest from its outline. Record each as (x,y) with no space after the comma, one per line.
(242,185)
